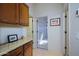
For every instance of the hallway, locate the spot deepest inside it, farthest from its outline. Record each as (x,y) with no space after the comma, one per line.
(42,52)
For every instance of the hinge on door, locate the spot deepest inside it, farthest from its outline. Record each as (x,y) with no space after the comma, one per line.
(65,32)
(65,16)
(37,20)
(32,31)
(32,20)
(65,47)
(37,31)
(32,42)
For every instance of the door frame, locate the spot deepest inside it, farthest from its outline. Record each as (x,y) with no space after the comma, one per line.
(65,34)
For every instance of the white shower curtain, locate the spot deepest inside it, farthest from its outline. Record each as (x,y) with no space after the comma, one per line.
(41,41)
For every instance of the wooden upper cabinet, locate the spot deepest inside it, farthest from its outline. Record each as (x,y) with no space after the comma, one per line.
(14,13)
(9,13)
(24,14)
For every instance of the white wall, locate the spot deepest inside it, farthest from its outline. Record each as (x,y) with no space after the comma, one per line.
(30,9)
(73,30)
(5,31)
(51,10)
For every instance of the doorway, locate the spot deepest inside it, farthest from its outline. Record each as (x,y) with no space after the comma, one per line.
(42,35)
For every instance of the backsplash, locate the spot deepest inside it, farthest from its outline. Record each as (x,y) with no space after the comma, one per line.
(5,31)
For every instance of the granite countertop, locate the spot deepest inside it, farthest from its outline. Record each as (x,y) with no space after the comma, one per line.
(4,49)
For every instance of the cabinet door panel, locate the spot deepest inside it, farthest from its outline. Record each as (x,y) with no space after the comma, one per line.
(9,13)
(28,49)
(24,14)
(16,52)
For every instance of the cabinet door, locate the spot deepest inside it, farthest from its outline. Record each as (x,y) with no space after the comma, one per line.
(24,14)
(28,49)
(9,13)
(16,52)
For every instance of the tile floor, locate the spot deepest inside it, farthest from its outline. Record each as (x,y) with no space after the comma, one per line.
(42,52)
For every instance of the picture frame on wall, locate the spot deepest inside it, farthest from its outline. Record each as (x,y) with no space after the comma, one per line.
(12,38)
(55,22)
